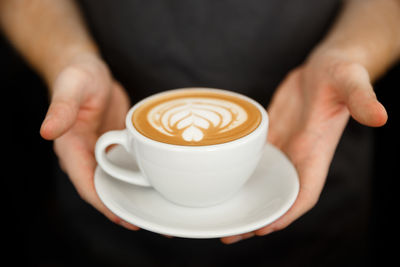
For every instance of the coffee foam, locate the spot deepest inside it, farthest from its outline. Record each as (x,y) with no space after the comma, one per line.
(196,117)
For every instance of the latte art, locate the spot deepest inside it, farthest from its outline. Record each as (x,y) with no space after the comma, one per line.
(196,117)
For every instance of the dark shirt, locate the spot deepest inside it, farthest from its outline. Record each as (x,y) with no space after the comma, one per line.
(244,46)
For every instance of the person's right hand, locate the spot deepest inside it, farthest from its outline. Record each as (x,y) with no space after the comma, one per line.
(86,102)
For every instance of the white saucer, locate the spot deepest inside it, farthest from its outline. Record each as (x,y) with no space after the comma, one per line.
(267,195)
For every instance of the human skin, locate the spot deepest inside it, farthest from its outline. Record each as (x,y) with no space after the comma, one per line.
(308,112)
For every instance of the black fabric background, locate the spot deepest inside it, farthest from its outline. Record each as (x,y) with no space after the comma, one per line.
(245,47)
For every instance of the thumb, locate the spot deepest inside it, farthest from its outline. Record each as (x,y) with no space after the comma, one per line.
(358,94)
(65,104)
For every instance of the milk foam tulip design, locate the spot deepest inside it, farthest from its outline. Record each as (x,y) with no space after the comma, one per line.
(194,118)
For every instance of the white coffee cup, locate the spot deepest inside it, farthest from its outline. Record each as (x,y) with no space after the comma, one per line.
(194,176)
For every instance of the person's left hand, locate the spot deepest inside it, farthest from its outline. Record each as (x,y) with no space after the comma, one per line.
(308,114)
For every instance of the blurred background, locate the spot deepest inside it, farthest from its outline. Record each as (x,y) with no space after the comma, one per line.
(38,236)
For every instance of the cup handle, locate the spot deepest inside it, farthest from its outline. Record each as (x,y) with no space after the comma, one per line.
(117,137)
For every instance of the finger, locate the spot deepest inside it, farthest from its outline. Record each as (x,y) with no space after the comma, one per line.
(65,103)
(125,224)
(79,163)
(354,83)
(236,238)
(364,107)
(307,198)
(304,202)
(312,168)
(231,239)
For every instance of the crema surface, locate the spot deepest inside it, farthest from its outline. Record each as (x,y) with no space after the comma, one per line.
(196,117)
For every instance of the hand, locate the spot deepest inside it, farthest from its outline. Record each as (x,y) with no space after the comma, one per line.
(85,103)
(308,114)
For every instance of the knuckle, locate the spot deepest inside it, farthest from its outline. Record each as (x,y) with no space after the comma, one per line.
(348,71)
(72,75)
(77,72)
